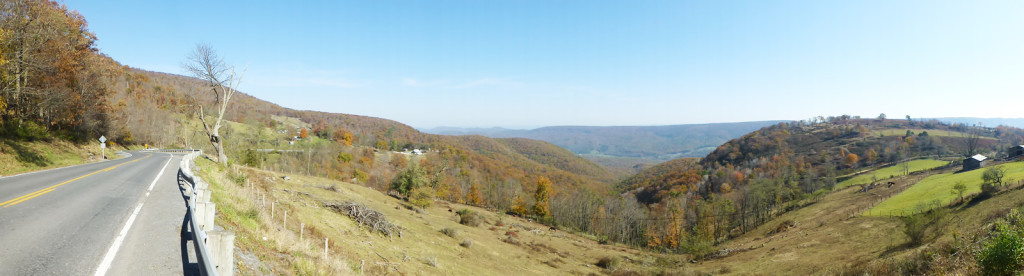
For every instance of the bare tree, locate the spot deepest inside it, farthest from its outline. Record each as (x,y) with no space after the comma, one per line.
(971,140)
(205,64)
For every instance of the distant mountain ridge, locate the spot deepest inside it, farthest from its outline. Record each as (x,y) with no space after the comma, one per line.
(650,142)
(987,122)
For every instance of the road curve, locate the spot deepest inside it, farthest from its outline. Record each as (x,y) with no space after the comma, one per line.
(64,221)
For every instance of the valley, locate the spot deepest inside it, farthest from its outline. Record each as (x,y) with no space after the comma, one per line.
(306,188)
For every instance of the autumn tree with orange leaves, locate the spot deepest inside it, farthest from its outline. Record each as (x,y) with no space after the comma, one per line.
(50,70)
(851,159)
(474,197)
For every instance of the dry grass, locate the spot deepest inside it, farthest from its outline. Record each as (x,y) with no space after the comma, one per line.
(422,249)
(831,238)
(23,156)
(817,237)
(826,237)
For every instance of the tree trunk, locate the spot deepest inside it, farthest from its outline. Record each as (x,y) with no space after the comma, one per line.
(214,134)
(218,146)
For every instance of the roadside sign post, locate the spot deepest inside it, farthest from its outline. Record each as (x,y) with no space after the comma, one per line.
(103,146)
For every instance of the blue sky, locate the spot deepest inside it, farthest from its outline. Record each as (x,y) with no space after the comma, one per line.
(521,64)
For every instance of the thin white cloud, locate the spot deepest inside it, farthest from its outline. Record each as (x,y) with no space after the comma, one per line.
(412,82)
(488,82)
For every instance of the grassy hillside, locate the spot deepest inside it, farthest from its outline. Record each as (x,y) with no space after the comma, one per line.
(831,238)
(25,156)
(890,171)
(937,189)
(30,148)
(933,132)
(751,181)
(428,241)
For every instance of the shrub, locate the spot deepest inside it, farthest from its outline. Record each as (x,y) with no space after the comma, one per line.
(409,179)
(988,189)
(918,226)
(511,240)
(431,261)
(698,247)
(361,176)
(608,262)
(251,213)
(344,157)
(469,218)
(238,178)
(451,232)
(422,197)
(1004,253)
(252,158)
(782,227)
(466,243)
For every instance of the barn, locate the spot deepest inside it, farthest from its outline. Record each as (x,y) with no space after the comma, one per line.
(974,162)
(1017,151)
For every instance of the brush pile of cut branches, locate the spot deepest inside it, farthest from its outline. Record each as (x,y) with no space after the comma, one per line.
(365,216)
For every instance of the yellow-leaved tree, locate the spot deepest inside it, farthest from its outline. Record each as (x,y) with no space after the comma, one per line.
(519,207)
(475,197)
(542,195)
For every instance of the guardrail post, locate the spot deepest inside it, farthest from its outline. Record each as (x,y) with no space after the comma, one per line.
(214,249)
(205,197)
(205,212)
(202,195)
(222,251)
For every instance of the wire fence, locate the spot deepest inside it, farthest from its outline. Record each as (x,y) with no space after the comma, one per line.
(924,206)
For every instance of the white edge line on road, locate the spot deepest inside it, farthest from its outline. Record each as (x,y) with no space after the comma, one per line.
(72,166)
(109,258)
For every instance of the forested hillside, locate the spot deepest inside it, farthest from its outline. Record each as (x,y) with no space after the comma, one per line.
(55,86)
(55,79)
(51,74)
(751,179)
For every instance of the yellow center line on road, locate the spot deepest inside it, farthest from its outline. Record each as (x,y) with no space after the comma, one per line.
(43,191)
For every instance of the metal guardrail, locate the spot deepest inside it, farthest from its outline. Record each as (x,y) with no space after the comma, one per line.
(204,256)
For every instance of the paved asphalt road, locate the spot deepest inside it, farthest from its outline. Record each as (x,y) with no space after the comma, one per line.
(64,221)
